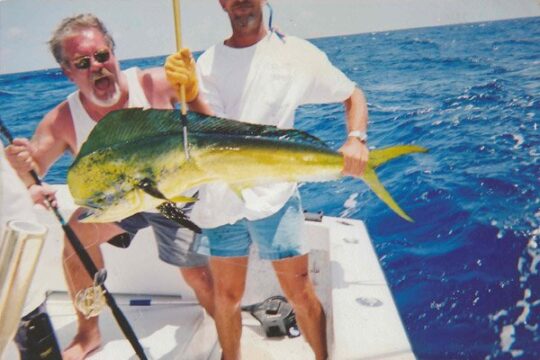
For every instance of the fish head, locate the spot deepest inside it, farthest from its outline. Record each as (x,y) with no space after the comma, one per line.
(116,208)
(107,189)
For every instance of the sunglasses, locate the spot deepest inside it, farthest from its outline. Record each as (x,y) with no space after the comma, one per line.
(84,62)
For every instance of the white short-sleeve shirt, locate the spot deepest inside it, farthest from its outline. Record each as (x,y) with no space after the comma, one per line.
(262,84)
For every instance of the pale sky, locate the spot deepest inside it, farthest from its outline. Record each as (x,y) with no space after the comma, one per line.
(144,28)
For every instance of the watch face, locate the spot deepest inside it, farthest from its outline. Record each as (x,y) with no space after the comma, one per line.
(362,136)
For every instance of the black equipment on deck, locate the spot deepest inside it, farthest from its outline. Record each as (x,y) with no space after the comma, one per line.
(276,316)
(35,337)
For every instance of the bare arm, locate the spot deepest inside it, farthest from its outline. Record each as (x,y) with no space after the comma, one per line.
(355,152)
(200,106)
(49,142)
(162,95)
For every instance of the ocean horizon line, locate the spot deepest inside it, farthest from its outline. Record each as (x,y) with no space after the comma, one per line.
(195,51)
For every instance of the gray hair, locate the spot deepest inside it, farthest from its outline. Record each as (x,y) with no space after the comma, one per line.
(70,26)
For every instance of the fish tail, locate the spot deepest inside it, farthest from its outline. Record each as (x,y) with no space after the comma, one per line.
(378,157)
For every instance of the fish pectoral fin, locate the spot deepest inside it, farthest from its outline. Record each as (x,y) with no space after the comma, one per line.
(172,212)
(150,187)
(169,209)
(183,199)
(87,215)
(372,180)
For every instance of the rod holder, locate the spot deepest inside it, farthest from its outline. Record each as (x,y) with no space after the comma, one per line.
(20,250)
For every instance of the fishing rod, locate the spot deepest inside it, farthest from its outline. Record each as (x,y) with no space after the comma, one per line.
(88,263)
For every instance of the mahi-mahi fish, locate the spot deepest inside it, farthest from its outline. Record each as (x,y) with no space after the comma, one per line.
(134,160)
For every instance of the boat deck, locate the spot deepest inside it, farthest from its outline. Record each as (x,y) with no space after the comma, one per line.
(362,319)
(171,329)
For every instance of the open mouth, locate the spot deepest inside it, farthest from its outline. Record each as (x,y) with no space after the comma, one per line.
(103,79)
(102,82)
(106,90)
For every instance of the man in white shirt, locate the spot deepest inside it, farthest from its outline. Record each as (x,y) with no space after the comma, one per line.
(261,77)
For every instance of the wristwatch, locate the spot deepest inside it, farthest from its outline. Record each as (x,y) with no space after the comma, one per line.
(360,135)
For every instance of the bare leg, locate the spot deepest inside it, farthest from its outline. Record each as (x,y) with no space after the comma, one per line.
(88,337)
(200,280)
(229,284)
(294,279)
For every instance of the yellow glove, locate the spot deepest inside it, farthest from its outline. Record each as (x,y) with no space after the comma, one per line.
(180,69)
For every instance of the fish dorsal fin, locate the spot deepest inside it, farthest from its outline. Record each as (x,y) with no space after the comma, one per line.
(127,125)
(204,124)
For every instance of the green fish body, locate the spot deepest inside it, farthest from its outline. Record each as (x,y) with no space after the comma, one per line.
(134,160)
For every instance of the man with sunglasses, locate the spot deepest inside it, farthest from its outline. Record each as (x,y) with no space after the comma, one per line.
(85,51)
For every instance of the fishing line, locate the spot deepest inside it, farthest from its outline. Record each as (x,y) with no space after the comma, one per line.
(87,262)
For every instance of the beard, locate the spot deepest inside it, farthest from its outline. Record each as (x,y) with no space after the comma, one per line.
(246,15)
(246,21)
(109,101)
(102,81)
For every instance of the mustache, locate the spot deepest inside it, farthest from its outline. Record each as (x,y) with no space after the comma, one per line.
(103,72)
(242,4)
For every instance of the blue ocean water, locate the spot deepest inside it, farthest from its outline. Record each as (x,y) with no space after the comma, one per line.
(465,274)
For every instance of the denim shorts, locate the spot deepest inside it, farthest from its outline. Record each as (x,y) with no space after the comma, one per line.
(175,243)
(277,236)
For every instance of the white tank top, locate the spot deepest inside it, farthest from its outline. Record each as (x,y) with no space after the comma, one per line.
(83,123)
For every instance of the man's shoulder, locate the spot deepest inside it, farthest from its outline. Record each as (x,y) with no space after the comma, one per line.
(296,42)
(154,75)
(153,71)
(207,54)
(58,121)
(212,48)
(59,115)
(301,50)
(156,87)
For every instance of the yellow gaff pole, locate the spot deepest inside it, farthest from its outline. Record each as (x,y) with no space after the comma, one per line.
(178,33)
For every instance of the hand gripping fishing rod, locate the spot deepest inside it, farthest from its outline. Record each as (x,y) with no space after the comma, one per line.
(88,264)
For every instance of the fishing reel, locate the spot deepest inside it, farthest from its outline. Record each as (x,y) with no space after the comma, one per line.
(276,316)
(91,301)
